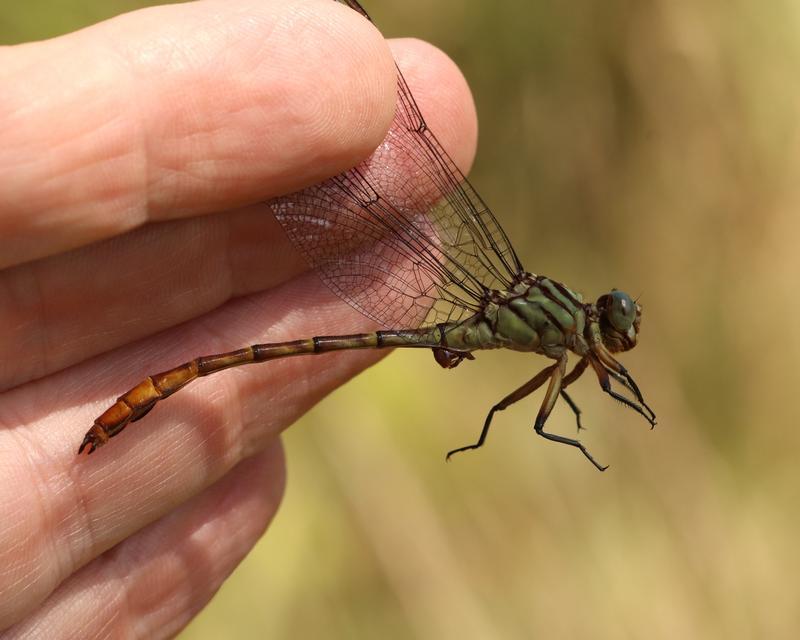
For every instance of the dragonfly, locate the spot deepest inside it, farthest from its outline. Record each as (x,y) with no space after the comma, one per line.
(406,240)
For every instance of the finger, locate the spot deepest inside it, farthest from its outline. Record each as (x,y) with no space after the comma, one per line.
(181,110)
(67,308)
(156,581)
(75,508)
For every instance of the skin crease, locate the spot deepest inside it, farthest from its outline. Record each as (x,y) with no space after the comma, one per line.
(133,157)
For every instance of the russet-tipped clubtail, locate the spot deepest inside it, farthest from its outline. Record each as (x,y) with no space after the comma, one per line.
(405,239)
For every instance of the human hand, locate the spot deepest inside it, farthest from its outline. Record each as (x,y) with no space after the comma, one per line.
(131,154)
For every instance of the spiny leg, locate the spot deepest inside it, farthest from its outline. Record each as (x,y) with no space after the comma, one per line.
(613,367)
(526,389)
(571,377)
(553,390)
(605,385)
(624,381)
(621,379)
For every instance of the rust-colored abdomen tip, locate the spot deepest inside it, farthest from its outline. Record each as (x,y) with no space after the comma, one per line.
(95,438)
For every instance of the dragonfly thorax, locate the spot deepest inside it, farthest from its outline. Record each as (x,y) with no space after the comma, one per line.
(537,314)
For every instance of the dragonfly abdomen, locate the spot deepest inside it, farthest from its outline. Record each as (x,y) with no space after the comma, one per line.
(138,401)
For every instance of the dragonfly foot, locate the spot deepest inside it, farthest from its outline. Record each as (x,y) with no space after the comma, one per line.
(459,450)
(539,428)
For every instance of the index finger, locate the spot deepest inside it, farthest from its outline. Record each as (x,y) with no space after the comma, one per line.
(182,110)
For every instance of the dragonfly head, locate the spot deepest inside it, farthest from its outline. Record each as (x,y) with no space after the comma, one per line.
(619,320)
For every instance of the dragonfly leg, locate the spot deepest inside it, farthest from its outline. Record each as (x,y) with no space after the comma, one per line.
(625,382)
(575,409)
(615,367)
(621,379)
(553,390)
(571,377)
(526,389)
(605,385)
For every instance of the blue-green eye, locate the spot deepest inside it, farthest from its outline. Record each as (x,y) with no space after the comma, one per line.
(621,311)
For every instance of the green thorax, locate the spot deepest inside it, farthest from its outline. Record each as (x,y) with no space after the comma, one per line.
(537,314)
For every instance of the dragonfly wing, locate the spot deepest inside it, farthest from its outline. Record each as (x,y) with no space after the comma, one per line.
(402,237)
(356,6)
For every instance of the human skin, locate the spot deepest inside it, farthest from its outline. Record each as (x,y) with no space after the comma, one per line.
(134,156)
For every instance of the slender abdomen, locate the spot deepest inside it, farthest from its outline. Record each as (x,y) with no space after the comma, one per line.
(136,403)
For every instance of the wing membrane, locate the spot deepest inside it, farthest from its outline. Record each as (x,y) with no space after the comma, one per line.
(402,237)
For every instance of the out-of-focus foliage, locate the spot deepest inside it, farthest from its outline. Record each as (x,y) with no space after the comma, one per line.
(653,146)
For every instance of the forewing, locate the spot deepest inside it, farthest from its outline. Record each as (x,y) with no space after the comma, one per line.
(402,237)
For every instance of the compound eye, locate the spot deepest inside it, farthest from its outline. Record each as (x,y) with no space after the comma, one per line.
(622,311)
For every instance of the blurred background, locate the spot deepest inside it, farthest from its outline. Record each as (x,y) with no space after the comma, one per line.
(650,145)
